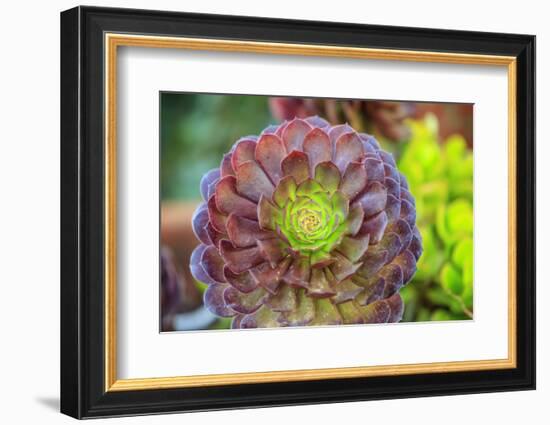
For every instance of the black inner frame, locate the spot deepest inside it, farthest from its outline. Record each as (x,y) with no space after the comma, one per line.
(82,212)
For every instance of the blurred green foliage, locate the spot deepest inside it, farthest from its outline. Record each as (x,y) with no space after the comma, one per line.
(196,130)
(440,176)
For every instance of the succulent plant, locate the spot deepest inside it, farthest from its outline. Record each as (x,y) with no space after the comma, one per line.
(307,224)
(441,176)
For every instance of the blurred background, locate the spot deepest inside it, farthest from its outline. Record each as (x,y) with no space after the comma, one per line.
(431,142)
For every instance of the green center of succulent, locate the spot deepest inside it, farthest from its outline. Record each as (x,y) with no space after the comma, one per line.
(309,221)
(312,216)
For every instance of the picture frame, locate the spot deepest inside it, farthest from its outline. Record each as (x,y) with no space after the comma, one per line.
(90,40)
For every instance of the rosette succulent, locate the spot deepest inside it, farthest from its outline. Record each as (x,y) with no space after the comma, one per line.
(306,224)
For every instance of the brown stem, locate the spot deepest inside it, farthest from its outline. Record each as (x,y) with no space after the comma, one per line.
(465,309)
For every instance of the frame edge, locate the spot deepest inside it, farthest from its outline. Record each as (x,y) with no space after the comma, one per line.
(526,214)
(70,380)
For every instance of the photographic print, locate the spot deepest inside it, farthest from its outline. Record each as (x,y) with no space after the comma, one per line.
(289,211)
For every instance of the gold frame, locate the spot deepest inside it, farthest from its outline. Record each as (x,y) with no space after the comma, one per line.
(113,41)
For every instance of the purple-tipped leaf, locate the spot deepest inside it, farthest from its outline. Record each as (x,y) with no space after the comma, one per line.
(213,264)
(214,301)
(284,300)
(209,178)
(328,176)
(273,250)
(298,273)
(244,303)
(269,153)
(407,262)
(226,168)
(319,286)
(345,291)
(375,170)
(285,191)
(196,267)
(294,133)
(395,303)
(393,278)
(229,201)
(244,232)
(252,182)
(374,199)
(268,214)
(348,149)
(377,312)
(342,268)
(243,152)
(317,147)
(353,248)
(354,180)
(216,218)
(240,260)
(375,226)
(355,219)
(336,131)
(199,222)
(243,282)
(296,165)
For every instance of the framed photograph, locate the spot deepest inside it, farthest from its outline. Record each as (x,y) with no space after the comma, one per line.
(261,212)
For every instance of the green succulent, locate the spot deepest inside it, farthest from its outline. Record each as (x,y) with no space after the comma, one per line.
(440,176)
